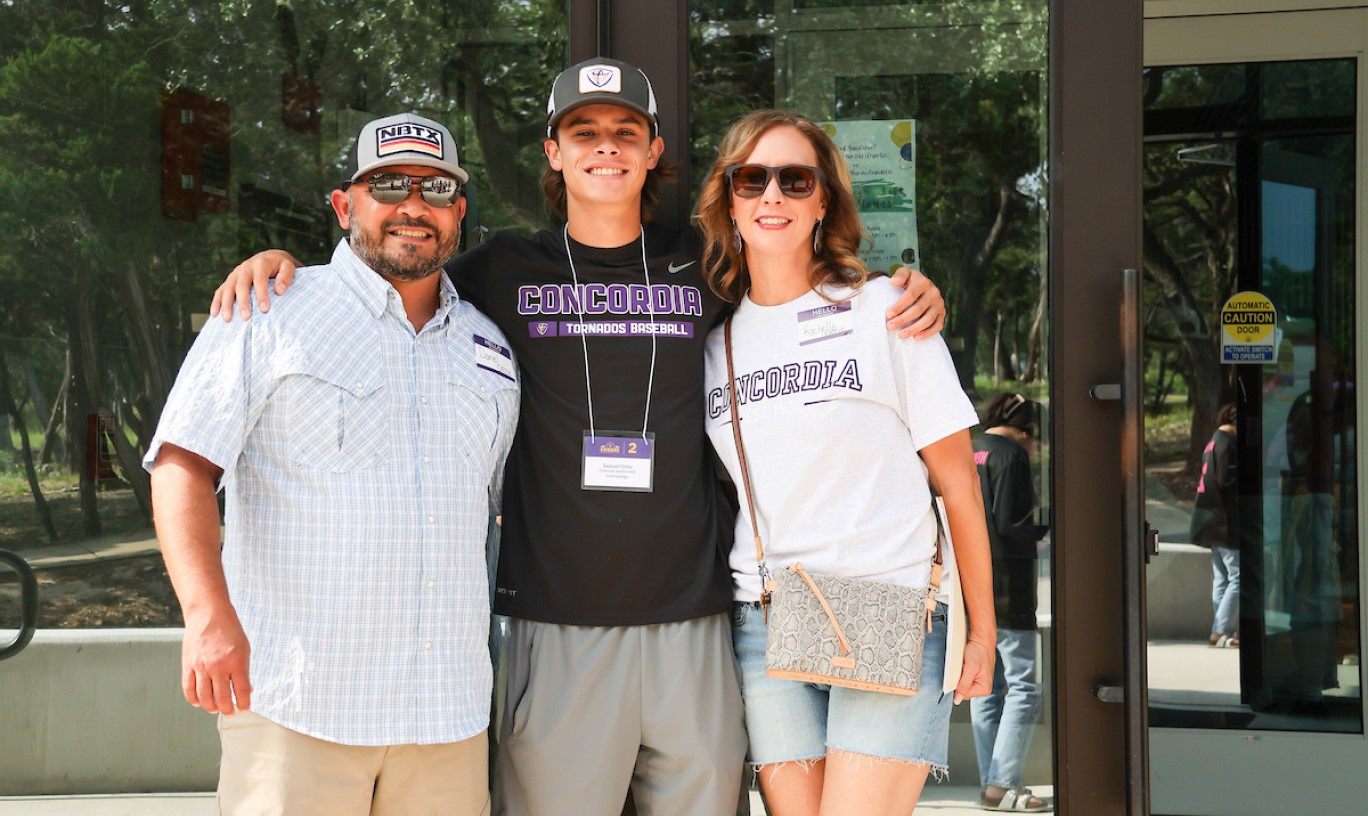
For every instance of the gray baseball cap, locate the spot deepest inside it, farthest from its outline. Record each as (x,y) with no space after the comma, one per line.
(601,81)
(405,138)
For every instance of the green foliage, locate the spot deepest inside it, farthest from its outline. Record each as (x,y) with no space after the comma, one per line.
(1167,433)
(100,284)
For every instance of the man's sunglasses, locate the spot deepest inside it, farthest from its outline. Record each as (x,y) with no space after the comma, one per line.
(795,180)
(392,188)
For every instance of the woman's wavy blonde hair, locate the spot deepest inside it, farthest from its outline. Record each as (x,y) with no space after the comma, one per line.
(838,261)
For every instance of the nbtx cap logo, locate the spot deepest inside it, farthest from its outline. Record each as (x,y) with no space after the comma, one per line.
(407,137)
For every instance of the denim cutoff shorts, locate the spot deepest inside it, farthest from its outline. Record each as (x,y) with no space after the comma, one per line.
(790,720)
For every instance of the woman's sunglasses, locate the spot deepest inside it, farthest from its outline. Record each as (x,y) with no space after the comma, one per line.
(392,188)
(795,180)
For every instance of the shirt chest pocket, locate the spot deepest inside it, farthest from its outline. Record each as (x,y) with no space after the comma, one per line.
(490,403)
(338,416)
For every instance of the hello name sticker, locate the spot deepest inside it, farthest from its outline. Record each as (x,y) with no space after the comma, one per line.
(493,357)
(825,322)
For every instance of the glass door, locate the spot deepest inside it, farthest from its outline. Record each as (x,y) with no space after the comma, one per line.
(1254,260)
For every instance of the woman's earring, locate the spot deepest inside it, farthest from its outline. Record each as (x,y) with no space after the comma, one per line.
(817,239)
(736,238)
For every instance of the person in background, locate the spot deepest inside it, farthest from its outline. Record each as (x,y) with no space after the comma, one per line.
(1005,719)
(1214,523)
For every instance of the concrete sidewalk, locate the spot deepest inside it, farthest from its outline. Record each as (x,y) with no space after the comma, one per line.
(105,548)
(940,800)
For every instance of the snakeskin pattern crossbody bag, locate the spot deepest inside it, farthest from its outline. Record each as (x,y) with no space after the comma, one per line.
(832,629)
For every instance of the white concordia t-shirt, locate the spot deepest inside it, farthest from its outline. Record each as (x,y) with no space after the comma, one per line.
(834,408)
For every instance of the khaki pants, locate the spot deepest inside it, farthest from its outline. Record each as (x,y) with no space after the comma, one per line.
(269,770)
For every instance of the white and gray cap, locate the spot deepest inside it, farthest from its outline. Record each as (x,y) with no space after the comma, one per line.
(601,81)
(405,138)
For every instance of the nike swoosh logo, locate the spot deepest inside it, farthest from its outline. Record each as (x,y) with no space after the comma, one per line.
(675,268)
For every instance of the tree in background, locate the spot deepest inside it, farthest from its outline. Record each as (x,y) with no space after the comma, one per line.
(102,285)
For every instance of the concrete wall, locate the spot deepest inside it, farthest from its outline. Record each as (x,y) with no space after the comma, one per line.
(1179,593)
(101,711)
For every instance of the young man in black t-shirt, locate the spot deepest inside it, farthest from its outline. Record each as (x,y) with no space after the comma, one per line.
(613,563)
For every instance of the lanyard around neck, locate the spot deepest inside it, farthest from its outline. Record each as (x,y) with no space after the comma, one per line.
(584,343)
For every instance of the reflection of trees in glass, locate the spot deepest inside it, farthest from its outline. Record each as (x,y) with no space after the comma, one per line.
(1191,239)
(1189,260)
(1308,88)
(979,204)
(731,70)
(100,285)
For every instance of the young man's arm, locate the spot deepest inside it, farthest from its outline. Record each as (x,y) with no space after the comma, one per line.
(919,312)
(215,651)
(254,275)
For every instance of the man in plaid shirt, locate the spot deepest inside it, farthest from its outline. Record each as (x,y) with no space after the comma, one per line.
(359,431)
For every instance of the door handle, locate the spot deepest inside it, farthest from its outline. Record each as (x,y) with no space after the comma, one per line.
(1133,694)
(1109,693)
(28,602)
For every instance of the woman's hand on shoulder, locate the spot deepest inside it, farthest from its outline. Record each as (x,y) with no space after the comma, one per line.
(254,275)
(920,311)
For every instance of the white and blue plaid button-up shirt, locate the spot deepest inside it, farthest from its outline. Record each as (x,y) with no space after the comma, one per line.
(361,463)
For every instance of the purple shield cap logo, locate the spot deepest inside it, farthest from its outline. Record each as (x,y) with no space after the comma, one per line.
(600,79)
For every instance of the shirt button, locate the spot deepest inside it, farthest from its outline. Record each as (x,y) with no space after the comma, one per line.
(431,584)
(427,645)
(423,400)
(360,386)
(426,460)
(431,520)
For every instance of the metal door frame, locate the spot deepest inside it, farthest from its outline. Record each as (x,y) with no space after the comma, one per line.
(1095,209)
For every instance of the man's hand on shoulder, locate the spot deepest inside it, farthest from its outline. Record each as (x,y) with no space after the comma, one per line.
(920,311)
(254,275)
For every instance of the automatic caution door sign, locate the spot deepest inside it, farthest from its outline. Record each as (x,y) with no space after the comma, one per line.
(1248,321)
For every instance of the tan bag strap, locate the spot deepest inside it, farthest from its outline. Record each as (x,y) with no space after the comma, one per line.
(843,660)
(766,583)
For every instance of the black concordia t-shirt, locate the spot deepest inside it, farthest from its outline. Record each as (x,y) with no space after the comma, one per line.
(599,558)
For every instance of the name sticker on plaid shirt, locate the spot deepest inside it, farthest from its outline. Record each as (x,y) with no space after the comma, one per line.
(493,357)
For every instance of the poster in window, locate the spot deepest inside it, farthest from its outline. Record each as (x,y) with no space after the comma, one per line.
(882,154)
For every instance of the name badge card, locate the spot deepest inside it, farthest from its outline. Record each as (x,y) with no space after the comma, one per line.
(824,323)
(493,357)
(618,460)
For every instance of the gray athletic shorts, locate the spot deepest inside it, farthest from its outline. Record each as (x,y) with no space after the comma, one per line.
(591,711)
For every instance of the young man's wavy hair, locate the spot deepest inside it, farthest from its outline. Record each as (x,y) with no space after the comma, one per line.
(837,262)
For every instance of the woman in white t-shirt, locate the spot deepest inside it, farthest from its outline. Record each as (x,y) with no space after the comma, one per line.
(846,429)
